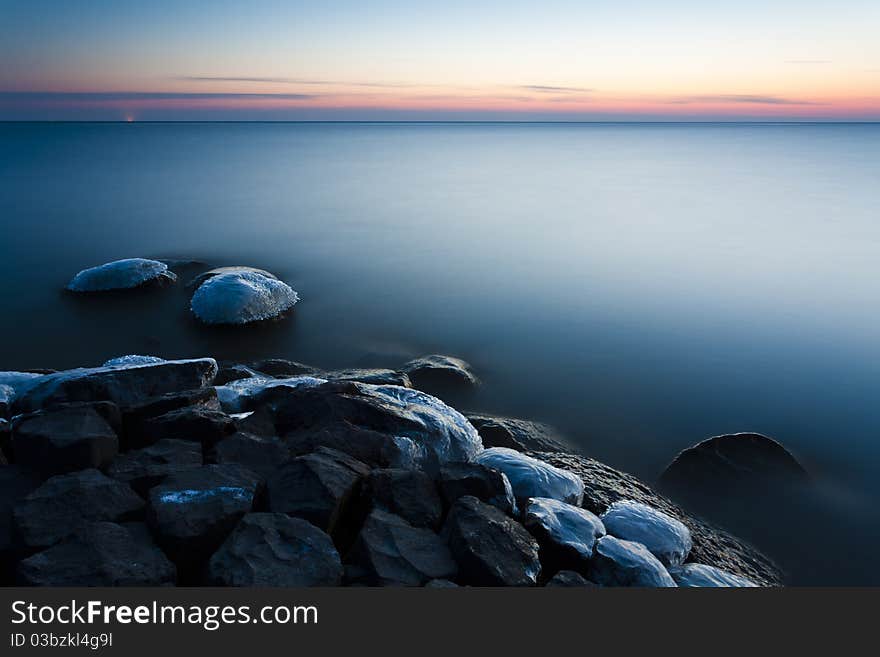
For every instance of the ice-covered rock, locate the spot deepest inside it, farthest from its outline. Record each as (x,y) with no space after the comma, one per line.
(667,538)
(120,275)
(530,477)
(15,384)
(700,575)
(132,359)
(235,395)
(566,533)
(240,297)
(625,563)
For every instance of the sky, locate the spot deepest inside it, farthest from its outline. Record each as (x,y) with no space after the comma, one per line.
(554,60)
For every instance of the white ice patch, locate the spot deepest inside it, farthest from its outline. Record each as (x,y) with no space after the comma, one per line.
(530,477)
(234,395)
(700,575)
(566,525)
(131,360)
(240,297)
(119,275)
(667,538)
(189,495)
(626,563)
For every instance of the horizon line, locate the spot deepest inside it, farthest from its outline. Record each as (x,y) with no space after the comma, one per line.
(788,121)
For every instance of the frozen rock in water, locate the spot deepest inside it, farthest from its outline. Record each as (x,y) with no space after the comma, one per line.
(667,538)
(236,395)
(241,297)
(521,435)
(624,563)
(530,477)
(437,372)
(271,549)
(566,533)
(131,359)
(491,486)
(700,575)
(120,275)
(99,554)
(204,276)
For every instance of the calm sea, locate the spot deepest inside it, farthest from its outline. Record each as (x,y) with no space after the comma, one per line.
(641,286)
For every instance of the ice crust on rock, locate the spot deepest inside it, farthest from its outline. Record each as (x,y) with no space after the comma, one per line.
(667,538)
(626,563)
(565,526)
(132,360)
(241,297)
(701,575)
(234,395)
(530,477)
(119,275)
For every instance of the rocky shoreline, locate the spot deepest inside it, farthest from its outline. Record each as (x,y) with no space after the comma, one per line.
(151,472)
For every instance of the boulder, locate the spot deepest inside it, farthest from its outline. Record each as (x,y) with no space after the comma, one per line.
(391,552)
(121,275)
(623,563)
(521,435)
(567,534)
(381,377)
(66,439)
(491,486)
(65,503)
(569,578)
(272,549)
(491,549)
(192,512)
(199,424)
(318,487)
(530,477)
(135,417)
(231,373)
(242,297)
(605,485)
(438,373)
(283,369)
(260,454)
(98,554)
(700,575)
(124,385)
(666,538)
(256,423)
(410,494)
(142,469)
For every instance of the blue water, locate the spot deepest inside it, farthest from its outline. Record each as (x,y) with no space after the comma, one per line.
(641,286)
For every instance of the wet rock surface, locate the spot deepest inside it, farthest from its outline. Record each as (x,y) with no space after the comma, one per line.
(666,538)
(700,575)
(531,477)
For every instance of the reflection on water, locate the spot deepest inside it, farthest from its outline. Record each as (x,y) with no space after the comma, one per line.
(640,286)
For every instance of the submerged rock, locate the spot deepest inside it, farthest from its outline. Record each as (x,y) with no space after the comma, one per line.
(488,485)
(120,275)
(567,534)
(667,538)
(624,563)
(530,477)
(700,575)
(521,435)
(99,554)
(271,549)
(438,372)
(142,469)
(241,297)
(491,549)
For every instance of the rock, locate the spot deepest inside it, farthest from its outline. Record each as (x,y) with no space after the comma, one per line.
(241,297)
(410,494)
(441,584)
(260,454)
(317,487)
(204,276)
(375,376)
(135,418)
(271,549)
(697,574)
(14,385)
(491,549)
(261,391)
(121,275)
(567,534)
(624,563)
(491,486)
(125,386)
(438,372)
(192,512)
(7,394)
(256,423)
(605,485)
(65,503)
(5,439)
(132,359)
(233,373)
(283,369)
(98,554)
(142,469)
(521,435)
(202,425)
(718,465)
(392,552)
(66,439)
(666,538)
(531,477)
(569,578)
(15,484)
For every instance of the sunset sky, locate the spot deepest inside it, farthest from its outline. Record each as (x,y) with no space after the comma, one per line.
(390,60)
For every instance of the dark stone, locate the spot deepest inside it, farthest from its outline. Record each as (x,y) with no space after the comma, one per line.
(272,549)
(410,494)
(604,485)
(15,484)
(191,513)
(491,486)
(232,373)
(521,435)
(135,418)
(124,386)
(144,468)
(262,455)
(438,372)
(569,578)
(256,423)
(202,425)
(65,439)
(282,369)
(391,552)
(371,447)
(318,487)
(491,549)
(98,554)
(370,375)
(441,584)
(64,503)
(5,439)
